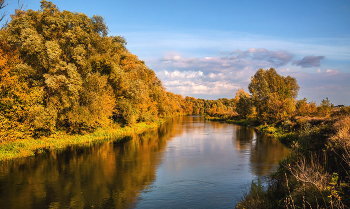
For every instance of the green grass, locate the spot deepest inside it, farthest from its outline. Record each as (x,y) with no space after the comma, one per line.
(60,139)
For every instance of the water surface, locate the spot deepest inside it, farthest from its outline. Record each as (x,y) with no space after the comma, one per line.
(186,163)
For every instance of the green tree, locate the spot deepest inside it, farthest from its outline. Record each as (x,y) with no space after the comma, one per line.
(273,95)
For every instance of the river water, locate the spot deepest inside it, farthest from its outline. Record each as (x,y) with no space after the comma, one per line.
(186,163)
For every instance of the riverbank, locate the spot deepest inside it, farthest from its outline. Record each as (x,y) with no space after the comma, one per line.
(316,172)
(284,135)
(60,139)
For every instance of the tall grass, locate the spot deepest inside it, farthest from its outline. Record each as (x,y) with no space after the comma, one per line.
(316,174)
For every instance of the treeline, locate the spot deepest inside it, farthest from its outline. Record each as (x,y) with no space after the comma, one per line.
(272,99)
(61,71)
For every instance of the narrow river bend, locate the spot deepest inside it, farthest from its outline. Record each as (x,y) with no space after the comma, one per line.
(186,163)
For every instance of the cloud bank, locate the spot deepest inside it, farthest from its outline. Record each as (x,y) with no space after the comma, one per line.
(215,76)
(221,76)
(209,57)
(228,62)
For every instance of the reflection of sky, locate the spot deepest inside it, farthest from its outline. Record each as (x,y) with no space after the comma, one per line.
(205,165)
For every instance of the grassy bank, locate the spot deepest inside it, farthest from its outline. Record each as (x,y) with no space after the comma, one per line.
(285,136)
(315,175)
(60,139)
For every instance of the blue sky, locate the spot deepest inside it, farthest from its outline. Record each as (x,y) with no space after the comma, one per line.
(209,49)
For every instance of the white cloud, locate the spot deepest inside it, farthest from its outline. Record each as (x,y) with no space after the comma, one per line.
(197,82)
(220,76)
(284,70)
(217,77)
(209,88)
(177,74)
(332,72)
(252,58)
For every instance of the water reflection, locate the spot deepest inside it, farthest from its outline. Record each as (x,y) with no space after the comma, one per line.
(186,161)
(265,152)
(243,137)
(108,174)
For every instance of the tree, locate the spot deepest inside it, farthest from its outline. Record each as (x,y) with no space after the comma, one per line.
(273,95)
(305,109)
(83,72)
(78,77)
(244,105)
(325,107)
(238,95)
(16,95)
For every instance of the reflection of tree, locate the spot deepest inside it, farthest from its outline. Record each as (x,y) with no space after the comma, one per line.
(111,174)
(266,153)
(244,136)
(107,174)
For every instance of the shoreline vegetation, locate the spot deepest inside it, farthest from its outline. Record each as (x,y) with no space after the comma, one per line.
(64,80)
(316,174)
(60,140)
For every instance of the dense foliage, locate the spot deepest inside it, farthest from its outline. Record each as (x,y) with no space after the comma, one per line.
(273,95)
(61,71)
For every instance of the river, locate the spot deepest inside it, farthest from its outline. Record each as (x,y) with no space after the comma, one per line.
(186,163)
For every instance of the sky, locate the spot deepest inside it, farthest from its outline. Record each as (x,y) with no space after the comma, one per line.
(210,49)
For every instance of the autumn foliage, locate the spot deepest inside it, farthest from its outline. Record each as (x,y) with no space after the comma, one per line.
(61,71)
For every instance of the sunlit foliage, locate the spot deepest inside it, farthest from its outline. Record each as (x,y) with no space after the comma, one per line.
(76,77)
(273,95)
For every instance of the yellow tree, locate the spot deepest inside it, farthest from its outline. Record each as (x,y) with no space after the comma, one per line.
(16,96)
(273,95)
(67,54)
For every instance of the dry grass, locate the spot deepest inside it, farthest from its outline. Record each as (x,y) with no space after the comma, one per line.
(310,171)
(342,139)
(312,119)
